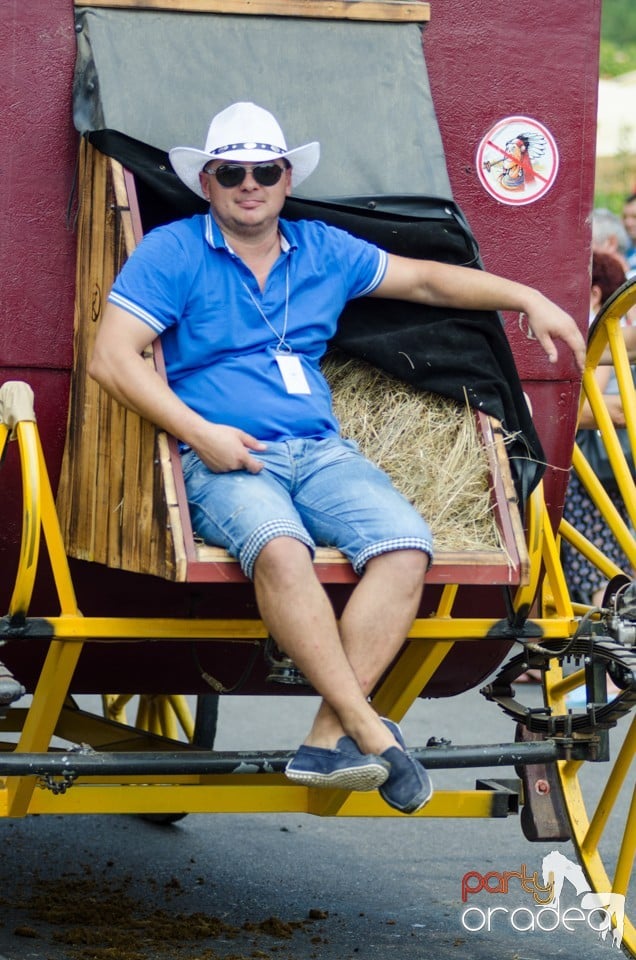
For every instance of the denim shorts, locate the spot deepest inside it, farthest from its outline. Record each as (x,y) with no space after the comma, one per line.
(321,492)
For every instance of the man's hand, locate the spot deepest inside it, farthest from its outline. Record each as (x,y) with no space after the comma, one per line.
(223,449)
(548,322)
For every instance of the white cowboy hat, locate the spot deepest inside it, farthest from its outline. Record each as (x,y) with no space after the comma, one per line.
(243,133)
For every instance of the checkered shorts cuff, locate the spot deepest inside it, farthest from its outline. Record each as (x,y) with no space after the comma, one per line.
(387,546)
(269,531)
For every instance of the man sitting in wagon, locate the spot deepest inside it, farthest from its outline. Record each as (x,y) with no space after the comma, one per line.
(245,303)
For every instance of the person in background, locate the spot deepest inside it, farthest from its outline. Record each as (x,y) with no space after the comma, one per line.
(609,235)
(629,222)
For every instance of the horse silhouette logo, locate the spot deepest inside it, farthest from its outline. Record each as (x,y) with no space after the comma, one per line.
(613,906)
(556,869)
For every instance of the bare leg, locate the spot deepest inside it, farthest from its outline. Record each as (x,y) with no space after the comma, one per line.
(374,625)
(342,665)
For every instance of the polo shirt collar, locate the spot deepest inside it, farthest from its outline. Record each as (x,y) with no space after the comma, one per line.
(216,240)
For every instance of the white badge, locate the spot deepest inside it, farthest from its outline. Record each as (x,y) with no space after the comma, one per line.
(292,373)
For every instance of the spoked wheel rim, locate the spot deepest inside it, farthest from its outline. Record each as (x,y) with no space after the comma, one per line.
(599,798)
(603,824)
(603,820)
(617,512)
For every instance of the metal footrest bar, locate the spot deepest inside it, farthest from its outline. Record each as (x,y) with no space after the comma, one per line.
(89,763)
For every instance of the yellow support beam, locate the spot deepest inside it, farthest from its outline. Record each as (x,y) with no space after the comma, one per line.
(39,726)
(132,629)
(242,794)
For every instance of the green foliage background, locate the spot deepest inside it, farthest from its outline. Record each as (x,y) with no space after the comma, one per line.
(618,37)
(616,176)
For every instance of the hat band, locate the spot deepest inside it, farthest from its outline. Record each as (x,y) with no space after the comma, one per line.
(251,145)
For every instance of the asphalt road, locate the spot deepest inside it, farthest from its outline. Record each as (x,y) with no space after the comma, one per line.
(285,886)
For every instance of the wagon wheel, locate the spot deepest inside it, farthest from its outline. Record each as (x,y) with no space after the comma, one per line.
(594,804)
(598,798)
(164,715)
(604,824)
(604,827)
(593,821)
(609,342)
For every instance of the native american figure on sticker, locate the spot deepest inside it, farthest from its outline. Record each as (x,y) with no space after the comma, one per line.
(521,153)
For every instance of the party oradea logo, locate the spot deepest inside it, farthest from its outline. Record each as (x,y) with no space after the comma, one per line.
(546,908)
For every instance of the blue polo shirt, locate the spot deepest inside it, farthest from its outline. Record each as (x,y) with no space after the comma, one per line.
(220,332)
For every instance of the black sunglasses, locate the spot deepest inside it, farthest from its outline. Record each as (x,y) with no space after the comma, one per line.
(233,174)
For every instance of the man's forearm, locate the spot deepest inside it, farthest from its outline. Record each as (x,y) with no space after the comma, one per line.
(446,285)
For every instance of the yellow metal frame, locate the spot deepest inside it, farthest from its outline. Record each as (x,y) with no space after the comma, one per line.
(431,640)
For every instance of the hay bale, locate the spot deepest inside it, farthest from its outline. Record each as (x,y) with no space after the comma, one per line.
(427,444)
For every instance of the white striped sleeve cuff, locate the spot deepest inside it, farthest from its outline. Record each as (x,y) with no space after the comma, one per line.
(378,276)
(136,311)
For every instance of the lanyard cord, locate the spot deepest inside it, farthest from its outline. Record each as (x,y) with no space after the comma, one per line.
(282,345)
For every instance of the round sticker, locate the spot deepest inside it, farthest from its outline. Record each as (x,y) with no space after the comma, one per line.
(517,161)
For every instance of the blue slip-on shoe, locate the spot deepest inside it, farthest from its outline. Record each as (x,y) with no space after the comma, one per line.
(408,787)
(344,768)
